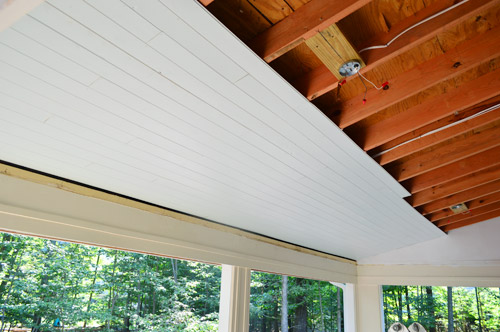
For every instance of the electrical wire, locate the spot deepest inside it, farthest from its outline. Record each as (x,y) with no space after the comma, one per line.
(414,26)
(376,87)
(489,109)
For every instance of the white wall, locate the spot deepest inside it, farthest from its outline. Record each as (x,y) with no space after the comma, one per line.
(468,256)
(475,245)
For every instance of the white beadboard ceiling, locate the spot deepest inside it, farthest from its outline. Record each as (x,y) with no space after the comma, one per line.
(157,100)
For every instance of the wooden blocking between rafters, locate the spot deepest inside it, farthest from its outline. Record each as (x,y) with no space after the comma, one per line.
(302,24)
(333,49)
(206,2)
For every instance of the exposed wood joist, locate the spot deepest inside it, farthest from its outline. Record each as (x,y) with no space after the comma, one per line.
(438,137)
(461,197)
(465,56)
(452,187)
(321,81)
(472,205)
(467,95)
(302,24)
(459,148)
(470,214)
(453,171)
(470,221)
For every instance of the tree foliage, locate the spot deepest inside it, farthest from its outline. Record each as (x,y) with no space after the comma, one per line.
(44,280)
(429,306)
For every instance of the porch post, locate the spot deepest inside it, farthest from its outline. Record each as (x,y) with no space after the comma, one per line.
(234,299)
(369,308)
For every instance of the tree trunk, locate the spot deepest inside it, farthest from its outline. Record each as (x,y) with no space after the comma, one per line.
(301,311)
(174,269)
(92,290)
(451,325)
(339,311)
(284,304)
(478,303)
(400,305)
(430,302)
(321,307)
(408,312)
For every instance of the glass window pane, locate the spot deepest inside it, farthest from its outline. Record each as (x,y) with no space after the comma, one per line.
(312,305)
(46,284)
(474,309)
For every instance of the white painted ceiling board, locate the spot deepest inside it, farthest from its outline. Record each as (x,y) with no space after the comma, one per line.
(158,101)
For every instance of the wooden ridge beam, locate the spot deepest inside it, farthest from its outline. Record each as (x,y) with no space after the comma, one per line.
(452,187)
(458,148)
(474,204)
(464,196)
(438,137)
(470,221)
(466,95)
(450,172)
(468,54)
(302,24)
(321,81)
(469,214)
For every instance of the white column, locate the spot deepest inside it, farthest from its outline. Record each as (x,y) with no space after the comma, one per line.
(350,311)
(369,308)
(234,299)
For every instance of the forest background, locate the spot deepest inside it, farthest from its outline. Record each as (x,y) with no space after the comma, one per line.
(48,285)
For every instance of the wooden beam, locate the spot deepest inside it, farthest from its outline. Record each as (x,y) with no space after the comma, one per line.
(452,187)
(469,214)
(474,204)
(302,24)
(333,49)
(450,172)
(470,221)
(438,137)
(458,148)
(466,95)
(206,2)
(321,81)
(461,197)
(469,54)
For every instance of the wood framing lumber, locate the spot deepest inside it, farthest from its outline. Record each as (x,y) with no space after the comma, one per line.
(458,185)
(464,57)
(474,204)
(466,95)
(464,196)
(469,214)
(473,220)
(321,81)
(458,148)
(302,24)
(456,170)
(333,49)
(437,137)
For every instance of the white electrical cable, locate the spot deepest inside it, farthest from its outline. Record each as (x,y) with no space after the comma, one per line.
(489,109)
(376,87)
(413,26)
